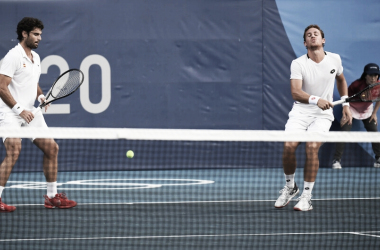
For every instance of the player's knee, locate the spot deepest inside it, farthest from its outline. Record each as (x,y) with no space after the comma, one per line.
(51,150)
(13,151)
(54,149)
(312,147)
(290,147)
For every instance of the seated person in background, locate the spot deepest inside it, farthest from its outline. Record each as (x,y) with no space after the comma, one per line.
(363,111)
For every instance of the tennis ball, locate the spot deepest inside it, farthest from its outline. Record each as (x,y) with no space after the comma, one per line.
(130,154)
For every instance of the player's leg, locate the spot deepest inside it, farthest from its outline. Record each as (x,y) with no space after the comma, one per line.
(296,122)
(48,146)
(289,161)
(50,159)
(372,127)
(312,161)
(311,164)
(50,167)
(339,148)
(289,166)
(12,152)
(310,174)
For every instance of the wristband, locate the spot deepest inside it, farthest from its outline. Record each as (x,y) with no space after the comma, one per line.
(313,99)
(39,98)
(344,98)
(17,109)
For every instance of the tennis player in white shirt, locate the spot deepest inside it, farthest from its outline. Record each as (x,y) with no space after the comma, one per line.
(312,80)
(20,71)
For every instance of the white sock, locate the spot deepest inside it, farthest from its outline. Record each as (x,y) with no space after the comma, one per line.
(307,187)
(1,190)
(289,180)
(52,189)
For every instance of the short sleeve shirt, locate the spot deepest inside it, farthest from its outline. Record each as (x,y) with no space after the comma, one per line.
(25,75)
(317,79)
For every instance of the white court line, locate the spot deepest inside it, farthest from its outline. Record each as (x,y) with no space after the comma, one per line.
(186,236)
(106,182)
(186,202)
(366,234)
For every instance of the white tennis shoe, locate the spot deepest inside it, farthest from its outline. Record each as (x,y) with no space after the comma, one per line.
(336,164)
(377,163)
(287,194)
(304,203)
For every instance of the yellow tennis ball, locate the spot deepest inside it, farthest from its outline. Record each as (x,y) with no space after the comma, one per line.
(130,154)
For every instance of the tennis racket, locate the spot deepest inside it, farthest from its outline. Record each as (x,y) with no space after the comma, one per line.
(369,94)
(66,84)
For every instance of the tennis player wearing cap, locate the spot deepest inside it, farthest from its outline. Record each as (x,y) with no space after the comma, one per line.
(363,111)
(19,74)
(312,84)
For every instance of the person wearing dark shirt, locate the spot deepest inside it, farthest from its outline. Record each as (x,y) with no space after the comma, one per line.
(364,111)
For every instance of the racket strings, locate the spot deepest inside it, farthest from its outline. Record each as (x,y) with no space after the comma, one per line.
(371,95)
(67,84)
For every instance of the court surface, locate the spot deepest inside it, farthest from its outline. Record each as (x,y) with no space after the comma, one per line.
(193,209)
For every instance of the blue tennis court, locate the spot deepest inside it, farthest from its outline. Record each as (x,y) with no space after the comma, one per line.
(193,209)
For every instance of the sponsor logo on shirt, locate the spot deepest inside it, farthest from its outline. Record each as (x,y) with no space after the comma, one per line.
(332,71)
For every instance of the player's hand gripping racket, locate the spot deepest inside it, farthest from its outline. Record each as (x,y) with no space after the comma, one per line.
(66,84)
(369,94)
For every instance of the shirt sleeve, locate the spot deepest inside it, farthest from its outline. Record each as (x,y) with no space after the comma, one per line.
(295,70)
(9,65)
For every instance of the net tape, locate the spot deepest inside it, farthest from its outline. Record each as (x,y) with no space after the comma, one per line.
(187,134)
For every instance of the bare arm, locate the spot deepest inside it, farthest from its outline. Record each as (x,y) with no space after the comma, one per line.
(5,94)
(341,85)
(297,93)
(39,92)
(377,105)
(301,96)
(343,91)
(374,113)
(7,97)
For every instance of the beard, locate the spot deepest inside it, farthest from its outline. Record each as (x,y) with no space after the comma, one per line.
(315,47)
(30,44)
(312,47)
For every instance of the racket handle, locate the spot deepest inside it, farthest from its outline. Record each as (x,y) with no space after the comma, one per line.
(38,109)
(339,102)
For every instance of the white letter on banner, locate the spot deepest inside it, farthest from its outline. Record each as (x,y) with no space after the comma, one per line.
(63,66)
(106,84)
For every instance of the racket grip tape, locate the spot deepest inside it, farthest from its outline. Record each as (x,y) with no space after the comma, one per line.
(338,102)
(38,109)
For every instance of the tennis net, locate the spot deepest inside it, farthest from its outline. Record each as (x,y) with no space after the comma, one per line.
(190,189)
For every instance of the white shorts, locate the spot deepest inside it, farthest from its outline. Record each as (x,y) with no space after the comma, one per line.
(15,121)
(302,122)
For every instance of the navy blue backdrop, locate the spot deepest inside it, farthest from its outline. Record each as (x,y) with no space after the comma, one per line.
(199,64)
(163,64)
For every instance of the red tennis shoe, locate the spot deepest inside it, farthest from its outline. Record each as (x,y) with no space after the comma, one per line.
(4,208)
(59,201)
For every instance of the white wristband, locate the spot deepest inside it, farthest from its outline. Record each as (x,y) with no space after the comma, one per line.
(344,98)
(39,98)
(313,99)
(17,109)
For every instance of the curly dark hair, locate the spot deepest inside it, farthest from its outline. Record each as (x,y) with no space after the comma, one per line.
(28,24)
(313,26)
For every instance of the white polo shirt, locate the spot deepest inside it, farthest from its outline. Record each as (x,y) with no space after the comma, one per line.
(317,79)
(25,76)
